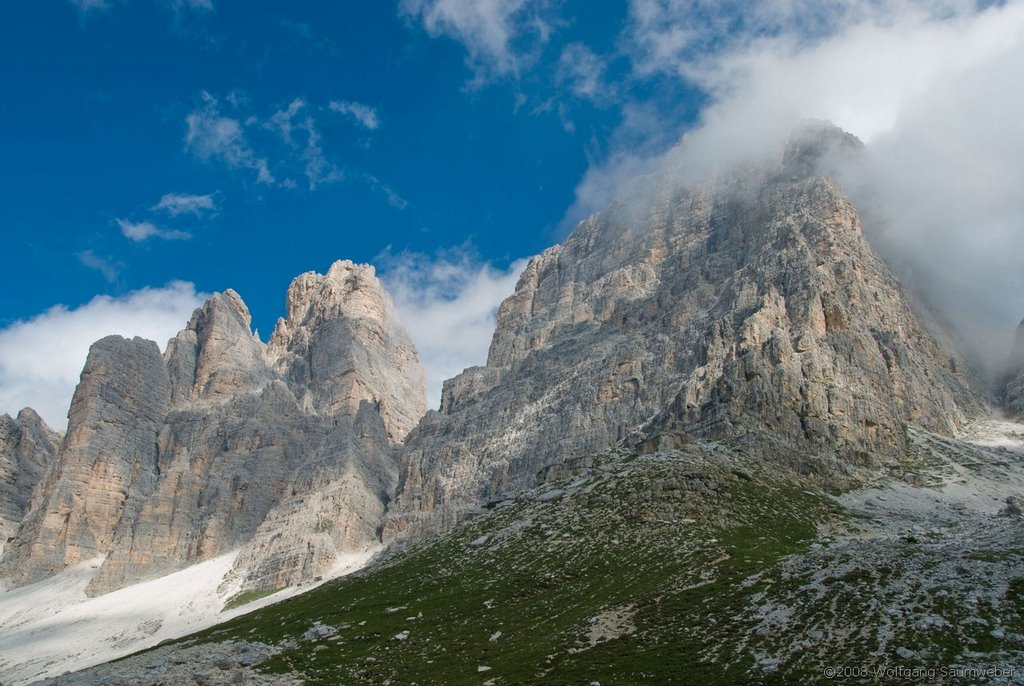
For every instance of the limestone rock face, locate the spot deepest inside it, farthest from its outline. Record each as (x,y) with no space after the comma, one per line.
(28,448)
(341,344)
(750,308)
(286,451)
(1014,397)
(333,504)
(107,463)
(216,357)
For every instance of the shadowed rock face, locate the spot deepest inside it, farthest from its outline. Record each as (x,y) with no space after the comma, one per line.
(1014,396)
(28,447)
(226,443)
(750,308)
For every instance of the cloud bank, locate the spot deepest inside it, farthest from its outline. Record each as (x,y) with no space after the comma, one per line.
(41,358)
(448,304)
(932,90)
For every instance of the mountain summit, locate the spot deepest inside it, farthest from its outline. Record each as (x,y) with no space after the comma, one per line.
(174,459)
(749,309)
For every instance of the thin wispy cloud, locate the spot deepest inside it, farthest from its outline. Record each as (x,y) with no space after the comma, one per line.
(361,114)
(501,37)
(176,204)
(582,72)
(294,120)
(86,6)
(41,358)
(386,192)
(287,140)
(211,135)
(176,6)
(143,231)
(104,265)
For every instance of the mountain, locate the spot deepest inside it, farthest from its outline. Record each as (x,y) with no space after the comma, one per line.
(749,308)
(284,450)
(640,482)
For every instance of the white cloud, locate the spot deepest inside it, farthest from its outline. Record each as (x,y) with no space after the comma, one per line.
(317,168)
(142,231)
(448,304)
(582,72)
(211,135)
(500,36)
(386,192)
(104,266)
(364,115)
(41,358)
(176,204)
(931,87)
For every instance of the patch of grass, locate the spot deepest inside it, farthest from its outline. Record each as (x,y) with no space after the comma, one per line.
(244,598)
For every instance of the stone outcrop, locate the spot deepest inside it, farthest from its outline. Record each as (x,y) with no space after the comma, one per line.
(285,450)
(107,464)
(342,344)
(216,357)
(1014,392)
(333,505)
(749,308)
(28,448)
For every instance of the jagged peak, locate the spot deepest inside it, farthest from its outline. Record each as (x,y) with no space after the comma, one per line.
(813,147)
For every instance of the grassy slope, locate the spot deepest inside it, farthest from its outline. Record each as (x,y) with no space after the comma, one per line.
(660,552)
(670,568)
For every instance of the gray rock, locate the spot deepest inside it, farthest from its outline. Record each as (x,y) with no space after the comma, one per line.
(107,465)
(749,308)
(1014,390)
(1012,507)
(28,447)
(553,494)
(286,451)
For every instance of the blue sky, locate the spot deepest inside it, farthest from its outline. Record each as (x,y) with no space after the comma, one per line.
(157,150)
(95,120)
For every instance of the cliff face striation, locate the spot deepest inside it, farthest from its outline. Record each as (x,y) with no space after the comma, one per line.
(28,448)
(1014,391)
(285,450)
(749,308)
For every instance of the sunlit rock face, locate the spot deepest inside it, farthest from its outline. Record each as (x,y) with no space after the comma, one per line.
(286,450)
(748,308)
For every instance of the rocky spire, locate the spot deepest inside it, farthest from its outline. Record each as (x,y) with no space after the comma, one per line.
(216,356)
(341,344)
(107,464)
(169,461)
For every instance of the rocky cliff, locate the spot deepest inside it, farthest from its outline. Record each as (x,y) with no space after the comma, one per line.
(285,450)
(107,462)
(749,308)
(1014,392)
(27,449)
